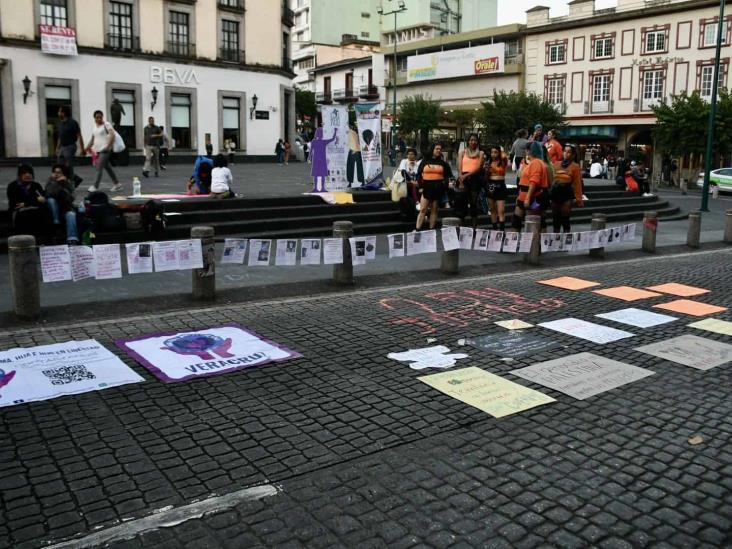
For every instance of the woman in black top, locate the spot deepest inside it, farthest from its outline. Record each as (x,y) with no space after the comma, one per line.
(26,202)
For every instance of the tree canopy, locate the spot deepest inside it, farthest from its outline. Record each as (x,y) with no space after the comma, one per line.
(419,114)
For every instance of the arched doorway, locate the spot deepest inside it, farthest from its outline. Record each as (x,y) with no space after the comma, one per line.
(640,148)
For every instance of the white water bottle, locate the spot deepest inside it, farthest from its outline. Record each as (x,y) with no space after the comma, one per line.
(136,187)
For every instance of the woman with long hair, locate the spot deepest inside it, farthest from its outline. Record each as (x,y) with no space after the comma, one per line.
(567,187)
(533,186)
(433,176)
(470,166)
(496,190)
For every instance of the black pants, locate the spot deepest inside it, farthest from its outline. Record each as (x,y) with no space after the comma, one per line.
(473,185)
(643,187)
(354,161)
(163,156)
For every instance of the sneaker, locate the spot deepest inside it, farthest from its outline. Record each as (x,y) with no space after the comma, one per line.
(163,168)
(146,173)
(117,187)
(584,198)
(92,189)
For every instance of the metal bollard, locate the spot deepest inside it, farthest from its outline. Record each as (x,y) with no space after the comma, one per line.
(694,233)
(204,280)
(24,280)
(343,272)
(533,225)
(650,226)
(450,262)
(598,223)
(728,227)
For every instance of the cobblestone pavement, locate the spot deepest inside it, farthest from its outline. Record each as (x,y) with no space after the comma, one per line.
(362,454)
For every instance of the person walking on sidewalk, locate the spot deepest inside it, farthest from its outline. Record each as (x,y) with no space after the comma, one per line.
(101,143)
(566,188)
(164,148)
(470,165)
(69,133)
(280,152)
(152,136)
(496,189)
(433,176)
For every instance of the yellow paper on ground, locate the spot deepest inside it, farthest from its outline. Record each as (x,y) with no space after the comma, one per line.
(487,392)
(713,325)
(342,198)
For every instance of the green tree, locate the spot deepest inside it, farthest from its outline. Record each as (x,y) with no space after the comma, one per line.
(419,114)
(464,120)
(507,112)
(305,107)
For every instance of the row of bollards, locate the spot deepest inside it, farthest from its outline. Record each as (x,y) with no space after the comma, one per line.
(25,272)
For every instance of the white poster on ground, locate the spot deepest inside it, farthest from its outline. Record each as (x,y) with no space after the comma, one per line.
(108,261)
(335,127)
(165,255)
(450,240)
(234,251)
(259,252)
(396,245)
(332,251)
(82,262)
(48,371)
(369,136)
(139,257)
(637,317)
(586,330)
(310,251)
(55,263)
(286,252)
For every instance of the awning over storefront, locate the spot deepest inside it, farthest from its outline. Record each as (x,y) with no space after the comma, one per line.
(591,131)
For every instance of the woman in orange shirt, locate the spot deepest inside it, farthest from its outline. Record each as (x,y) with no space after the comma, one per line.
(566,188)
(470,166)
(553,147)
(433,176)
(533,186)
(495,171)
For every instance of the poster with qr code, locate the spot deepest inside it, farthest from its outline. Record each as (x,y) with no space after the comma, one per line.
(29,374)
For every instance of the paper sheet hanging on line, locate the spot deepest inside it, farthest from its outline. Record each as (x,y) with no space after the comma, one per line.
(421,242)
(259,252)
(49,371)
(690,350)
(55,263)
(637,317)
(139,257)
(547,243)
(630,229)
(583,375)
(489,393)
(428,357)
(234,251)
(589,331)
(370,248)
(82,262)
(107,261)
(310,251)
(511,242)
(396,245)
(495,242)
(165,255)
(450,240)
(190,254)
(358,250)
(466,238)
(286,252)
(713,325)
(525,243)
(481,239)
(332,251)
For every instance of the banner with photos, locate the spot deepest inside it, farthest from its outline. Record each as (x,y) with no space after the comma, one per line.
(369,136)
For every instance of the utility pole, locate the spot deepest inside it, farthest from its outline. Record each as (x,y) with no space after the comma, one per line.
(712,111)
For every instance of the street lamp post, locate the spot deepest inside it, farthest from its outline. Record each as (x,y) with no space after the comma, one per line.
(712,111)
(402,7)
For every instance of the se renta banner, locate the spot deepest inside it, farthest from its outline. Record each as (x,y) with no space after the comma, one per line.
(335,133)
(369,135)
(488,59)
(49,371)
(181,356)
(58,40)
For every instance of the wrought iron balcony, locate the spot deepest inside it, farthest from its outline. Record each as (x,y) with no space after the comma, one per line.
(181,49)
(237,5)
(122,43)
(368,92)
(323,97)
(231,55)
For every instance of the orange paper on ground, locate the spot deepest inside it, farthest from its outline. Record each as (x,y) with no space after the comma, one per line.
(689,307)
(569,283)
(681,290)
(626,293)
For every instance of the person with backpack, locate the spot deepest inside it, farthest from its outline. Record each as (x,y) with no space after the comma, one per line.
(60,200)
(102,144)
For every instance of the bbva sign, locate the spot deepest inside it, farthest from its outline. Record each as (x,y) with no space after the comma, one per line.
(166,75)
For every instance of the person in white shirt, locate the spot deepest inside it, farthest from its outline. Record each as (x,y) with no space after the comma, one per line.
(595,169)
(221,178)
(101,143)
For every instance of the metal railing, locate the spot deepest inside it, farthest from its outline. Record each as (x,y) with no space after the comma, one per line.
(182,49)
(122,43)
(323,97)
(368,91)
(232,4)
(231,55)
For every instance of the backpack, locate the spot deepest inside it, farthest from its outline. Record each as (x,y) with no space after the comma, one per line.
(153,217)
(104,216)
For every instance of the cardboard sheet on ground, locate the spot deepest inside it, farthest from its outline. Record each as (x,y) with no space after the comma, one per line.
(690,307)
(690,350)
(181,356)
(713,325)
(489,393)
(626,293)
(428,357)
(513,324)
(569,283)
(586,330)
(681,290)
(582,375)
(637,317)
(50,371)
(512,344)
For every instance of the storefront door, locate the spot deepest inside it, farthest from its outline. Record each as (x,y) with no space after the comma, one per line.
(126,127)
(56,96)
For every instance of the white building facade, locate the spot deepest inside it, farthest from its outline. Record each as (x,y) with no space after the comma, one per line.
(194,65)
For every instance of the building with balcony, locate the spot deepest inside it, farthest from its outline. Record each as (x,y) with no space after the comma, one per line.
(213,70)
(347,81)
(606,68)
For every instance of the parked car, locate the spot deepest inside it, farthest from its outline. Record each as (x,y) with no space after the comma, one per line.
(721,177)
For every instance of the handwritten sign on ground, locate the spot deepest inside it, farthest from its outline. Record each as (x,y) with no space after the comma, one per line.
(626,293)
(512,343)
(569,283)
(487,392)
(212,351)
(428,357)
(582,375)
(690,350)
(681,290)
(713,325)
(637,317)
(514,324)
(586,330)
(50,371)
(690,307)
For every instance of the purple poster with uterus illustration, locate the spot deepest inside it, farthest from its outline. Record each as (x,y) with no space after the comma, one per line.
(182,356)
(332,164)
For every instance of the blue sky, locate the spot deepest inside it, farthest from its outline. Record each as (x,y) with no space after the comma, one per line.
(514,11)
